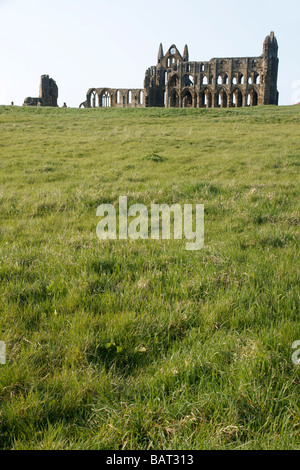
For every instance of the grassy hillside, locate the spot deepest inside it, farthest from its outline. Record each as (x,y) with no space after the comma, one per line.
(143,345)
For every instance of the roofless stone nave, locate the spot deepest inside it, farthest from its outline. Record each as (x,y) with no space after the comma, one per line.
(177,82)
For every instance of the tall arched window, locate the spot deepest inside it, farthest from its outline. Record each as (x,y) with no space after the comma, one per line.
(254,99)
(223,97)
(106,100)
(129,97)
(188,80)
(239,99)
(209,100)
(174,81)
(93,99)
(174,101)
(187,100)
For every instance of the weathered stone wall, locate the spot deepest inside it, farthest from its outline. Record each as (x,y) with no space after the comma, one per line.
(33,102)
(117,98)
(221,82)
(48,94)
(48,91)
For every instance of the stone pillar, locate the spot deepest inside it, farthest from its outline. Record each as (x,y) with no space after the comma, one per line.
(229,100)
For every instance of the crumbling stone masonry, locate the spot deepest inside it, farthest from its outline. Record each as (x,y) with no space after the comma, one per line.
(48,94)
(117,98)
(177,82)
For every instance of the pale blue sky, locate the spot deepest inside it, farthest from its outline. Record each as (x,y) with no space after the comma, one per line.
(85,43)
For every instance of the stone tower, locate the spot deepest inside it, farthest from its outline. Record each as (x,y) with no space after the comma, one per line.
(48,94)
(270,70)
(48,91)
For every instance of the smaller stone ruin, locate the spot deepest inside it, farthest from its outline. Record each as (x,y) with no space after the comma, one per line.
(48,94)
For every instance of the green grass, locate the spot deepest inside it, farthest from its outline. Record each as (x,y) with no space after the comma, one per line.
(200,354)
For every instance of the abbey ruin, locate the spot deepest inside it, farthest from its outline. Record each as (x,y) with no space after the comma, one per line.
(177,82)
(48,93)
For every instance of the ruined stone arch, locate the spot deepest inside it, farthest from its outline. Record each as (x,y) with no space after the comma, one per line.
(91,98)
(174,99)
(173,81)
(105,98)
(237,89)
(202,99)
(222,79)
(188,80)
(238,97)
(209,96)
(187,97)
(84,104)
(222,98)
(253,97)
(256,78)
(241,78)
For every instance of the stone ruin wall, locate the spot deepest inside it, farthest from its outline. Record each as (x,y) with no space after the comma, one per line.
(116,98)
(218,83)
(48,94)
(221,82)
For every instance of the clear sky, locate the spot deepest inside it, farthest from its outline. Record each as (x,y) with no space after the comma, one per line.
(110,43)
